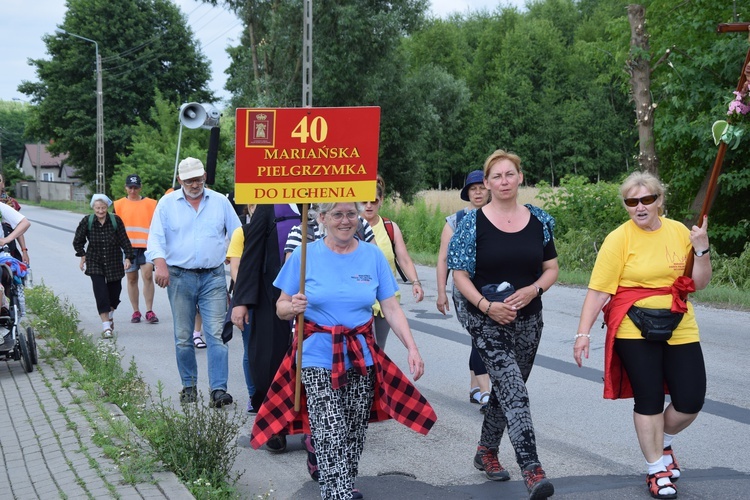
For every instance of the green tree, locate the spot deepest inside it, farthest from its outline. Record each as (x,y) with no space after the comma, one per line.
(693,91)
(266,68)
(145,45)
(13,117)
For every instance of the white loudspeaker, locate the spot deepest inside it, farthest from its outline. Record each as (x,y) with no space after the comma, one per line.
(195,115)
(192,115)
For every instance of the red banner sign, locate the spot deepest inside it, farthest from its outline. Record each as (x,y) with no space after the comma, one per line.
(306,155)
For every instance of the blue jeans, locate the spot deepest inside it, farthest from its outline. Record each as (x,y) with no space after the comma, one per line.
(246,334)
(207,290)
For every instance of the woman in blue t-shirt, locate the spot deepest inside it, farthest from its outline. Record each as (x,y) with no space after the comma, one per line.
(343,371)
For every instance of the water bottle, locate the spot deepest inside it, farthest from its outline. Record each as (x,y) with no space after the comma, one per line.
(29,278)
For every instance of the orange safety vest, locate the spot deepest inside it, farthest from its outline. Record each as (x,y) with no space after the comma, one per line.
(136,215)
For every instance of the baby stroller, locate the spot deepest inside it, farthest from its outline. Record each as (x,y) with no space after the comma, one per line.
(16,344)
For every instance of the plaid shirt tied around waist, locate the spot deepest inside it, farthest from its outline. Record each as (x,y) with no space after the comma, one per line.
(353,348)
(395,396)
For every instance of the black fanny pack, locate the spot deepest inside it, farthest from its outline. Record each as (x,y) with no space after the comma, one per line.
(655,324)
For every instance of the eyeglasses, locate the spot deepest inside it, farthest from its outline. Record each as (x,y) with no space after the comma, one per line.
(374,202)
(193,182)
(338,216)
(646,200)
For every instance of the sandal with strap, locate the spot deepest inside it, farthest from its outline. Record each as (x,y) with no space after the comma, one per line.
(673,467)
(473,393)
(107,334)
(660,485)
(483,400)
(199,343)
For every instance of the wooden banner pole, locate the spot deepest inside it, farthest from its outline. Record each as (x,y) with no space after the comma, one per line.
(300,326)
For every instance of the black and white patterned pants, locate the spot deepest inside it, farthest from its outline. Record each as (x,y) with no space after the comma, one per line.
(508,352)
(338,422)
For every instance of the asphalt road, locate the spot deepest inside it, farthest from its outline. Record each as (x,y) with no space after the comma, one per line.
(587,444)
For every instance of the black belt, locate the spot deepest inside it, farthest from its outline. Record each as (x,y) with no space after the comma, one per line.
(199,270)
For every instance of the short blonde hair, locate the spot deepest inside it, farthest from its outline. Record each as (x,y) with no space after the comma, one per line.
(647,180)
(498,155)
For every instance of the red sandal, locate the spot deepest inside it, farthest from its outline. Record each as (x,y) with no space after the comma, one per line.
(658,483)
(673,467)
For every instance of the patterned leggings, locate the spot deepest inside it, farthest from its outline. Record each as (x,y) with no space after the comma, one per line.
(508,352)
(338,421)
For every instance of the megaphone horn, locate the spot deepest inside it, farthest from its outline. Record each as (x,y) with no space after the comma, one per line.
(192,115)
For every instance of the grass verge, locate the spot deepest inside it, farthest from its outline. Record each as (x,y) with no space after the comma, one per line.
(176,438)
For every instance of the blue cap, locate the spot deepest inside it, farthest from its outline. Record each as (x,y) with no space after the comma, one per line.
(475,177)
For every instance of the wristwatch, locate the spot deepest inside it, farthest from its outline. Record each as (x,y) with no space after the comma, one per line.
(539,291)
(702,252)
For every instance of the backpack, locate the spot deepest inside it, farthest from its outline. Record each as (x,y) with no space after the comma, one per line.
(111,217)
(285,218)
(388,224)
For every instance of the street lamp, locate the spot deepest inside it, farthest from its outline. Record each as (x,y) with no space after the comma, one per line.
(99,113)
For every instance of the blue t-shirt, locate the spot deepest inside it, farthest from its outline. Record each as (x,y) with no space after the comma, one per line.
(340,290)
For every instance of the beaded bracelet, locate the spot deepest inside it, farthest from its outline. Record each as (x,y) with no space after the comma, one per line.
(587,335)
(487,312)
(416,282)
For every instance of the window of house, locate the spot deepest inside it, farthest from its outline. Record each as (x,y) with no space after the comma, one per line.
(48,176)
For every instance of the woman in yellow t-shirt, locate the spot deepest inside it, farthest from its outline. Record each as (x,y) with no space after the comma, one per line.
(396,255)
(642,264)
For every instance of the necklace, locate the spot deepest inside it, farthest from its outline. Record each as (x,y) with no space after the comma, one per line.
(508,217)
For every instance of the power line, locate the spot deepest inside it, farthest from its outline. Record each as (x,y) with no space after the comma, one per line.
(221,35)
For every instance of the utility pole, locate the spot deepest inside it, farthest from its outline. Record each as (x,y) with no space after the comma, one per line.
(307,54)
(38,194)
(100,178)
(100,184)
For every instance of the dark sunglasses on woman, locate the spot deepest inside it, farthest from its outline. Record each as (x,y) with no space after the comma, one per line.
(646,200)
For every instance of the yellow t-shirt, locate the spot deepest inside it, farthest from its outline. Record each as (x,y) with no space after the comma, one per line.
(384,244)
(236,243)
(632,257)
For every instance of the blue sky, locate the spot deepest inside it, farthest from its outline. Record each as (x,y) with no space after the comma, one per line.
(24,22)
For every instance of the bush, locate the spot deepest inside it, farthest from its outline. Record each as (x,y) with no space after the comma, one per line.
(576,250)
(198,443)
(732,271)
(578,205)
(420,225)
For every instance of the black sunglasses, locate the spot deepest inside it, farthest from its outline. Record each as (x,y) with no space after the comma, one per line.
(646,200)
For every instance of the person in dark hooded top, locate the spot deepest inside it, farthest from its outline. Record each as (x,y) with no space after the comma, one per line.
(261,261)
